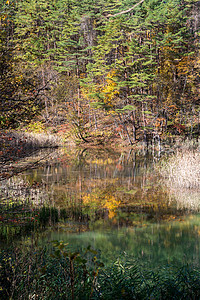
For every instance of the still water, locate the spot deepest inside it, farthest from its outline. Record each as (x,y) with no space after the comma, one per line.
(114,202)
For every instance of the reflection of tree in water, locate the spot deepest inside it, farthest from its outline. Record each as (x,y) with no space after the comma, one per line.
(102,192)
(97,187)
(104,184)
(102,199)
(137,206)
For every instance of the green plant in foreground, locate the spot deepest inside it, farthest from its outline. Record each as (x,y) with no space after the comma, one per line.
(59,273)
(88,272)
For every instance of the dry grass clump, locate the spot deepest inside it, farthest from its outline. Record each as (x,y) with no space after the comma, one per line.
(41,140)
(182,170)
(27,140)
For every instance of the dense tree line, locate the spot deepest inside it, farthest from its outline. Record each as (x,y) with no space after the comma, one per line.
(83,62)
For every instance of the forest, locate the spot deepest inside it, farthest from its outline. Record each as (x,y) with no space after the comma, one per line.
(99,149)
(101,69)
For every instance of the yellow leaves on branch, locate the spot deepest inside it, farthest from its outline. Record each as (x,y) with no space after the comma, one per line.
(185,65)
(110,89)
(111,204)
(107,88)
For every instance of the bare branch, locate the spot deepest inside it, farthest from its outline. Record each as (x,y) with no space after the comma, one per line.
(125,11)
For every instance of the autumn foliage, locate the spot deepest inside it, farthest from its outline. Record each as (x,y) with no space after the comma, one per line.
(74,63)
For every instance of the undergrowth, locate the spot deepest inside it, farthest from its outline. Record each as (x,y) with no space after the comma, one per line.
(58,273)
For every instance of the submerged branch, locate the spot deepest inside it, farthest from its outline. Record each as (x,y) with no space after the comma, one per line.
(10,170)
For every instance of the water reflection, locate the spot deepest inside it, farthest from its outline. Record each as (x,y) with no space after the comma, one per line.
(102,184)
(175,242)
(113,201)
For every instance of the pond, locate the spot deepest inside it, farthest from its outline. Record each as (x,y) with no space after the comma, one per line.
(113,201)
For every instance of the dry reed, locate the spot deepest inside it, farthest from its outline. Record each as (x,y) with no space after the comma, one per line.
(182,170)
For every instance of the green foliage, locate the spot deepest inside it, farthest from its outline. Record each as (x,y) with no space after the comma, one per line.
(146,58)
(21,219)
(127,107)
(36,127)
(59,274)
(87,266)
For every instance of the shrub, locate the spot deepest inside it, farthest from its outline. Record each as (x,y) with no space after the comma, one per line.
(61,274)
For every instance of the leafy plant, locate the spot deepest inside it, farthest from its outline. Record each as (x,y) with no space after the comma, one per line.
(81,271)
(59,273)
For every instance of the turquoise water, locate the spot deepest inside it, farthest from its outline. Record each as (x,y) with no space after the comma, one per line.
(175,242)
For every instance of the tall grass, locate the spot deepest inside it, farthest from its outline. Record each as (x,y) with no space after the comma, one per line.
(60,274)
(16,142)
(36,140)
(182,170)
